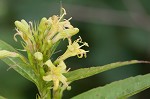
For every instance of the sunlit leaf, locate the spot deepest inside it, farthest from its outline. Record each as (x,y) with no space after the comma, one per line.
(118,90)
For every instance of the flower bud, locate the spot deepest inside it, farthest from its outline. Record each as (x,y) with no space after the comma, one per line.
(69,88)
(25,23)
(43,24)
(38,56)
(23,27)
(65,34)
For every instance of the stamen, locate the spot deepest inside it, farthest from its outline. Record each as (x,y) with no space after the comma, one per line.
(64,13)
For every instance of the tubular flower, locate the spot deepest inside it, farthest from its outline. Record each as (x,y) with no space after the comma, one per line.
(25,31)
(67,33)
(60,29)
(73,50)
(55,74)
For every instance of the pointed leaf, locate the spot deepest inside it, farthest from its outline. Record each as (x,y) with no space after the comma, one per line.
(17,63)
(118,90)
(54,47)
(86,72)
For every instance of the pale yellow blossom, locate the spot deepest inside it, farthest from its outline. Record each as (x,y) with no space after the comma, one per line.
(73,50)
(55,74)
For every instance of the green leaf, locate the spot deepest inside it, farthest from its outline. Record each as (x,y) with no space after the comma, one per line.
(2,97)
(86,72)
(119,89)
(54,47)
(17,63)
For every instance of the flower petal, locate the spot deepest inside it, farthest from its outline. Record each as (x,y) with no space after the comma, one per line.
(49,64)
(62,67)
(63,79)
(47,78)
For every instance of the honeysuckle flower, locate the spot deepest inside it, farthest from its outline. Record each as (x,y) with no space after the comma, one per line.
(36,36)
(65,24)
(22,26)
(60,29)
(55,74)
(73,50)
(67,33)
(25,30)
(38,56)
(43,25)
(54,22)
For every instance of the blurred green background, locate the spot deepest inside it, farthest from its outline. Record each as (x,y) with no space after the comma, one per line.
(115,30)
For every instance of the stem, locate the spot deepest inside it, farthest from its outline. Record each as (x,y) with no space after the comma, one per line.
(44,93)
(57,94)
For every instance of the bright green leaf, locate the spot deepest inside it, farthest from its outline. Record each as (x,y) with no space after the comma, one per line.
(118,90)
(86,72)
(17,63)
(2,97)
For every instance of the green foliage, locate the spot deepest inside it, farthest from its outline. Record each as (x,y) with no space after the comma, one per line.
(118,90)
(18,64)
(86,72)
(2,97)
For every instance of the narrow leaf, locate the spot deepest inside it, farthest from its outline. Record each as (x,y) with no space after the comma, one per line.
(54,47)
(119,89)
(86,72)
(17,63)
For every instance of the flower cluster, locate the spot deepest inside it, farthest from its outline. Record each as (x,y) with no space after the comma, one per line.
(40,40)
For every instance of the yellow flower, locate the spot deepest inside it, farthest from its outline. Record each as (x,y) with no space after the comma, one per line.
(67,33)
(56,74)
(26,32)
(73,50)
(60,28)
(54,22)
